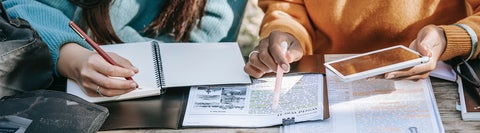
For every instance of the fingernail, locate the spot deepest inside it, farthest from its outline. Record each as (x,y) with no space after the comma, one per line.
(133,85)
(284,46)
(389,76)
(134,68)
(285,67)
(131,73)
(269,71)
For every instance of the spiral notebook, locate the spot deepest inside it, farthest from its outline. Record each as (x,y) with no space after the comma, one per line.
(167,65)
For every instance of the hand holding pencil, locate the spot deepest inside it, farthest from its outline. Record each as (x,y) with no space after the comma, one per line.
(271,55)
(268,54)
(96,76)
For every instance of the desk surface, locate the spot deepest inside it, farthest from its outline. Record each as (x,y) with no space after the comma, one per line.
(446,95)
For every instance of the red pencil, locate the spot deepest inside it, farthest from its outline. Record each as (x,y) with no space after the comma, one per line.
(94,45)
(279,76)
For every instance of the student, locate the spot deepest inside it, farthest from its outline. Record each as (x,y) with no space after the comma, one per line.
(441,29)
(110,22)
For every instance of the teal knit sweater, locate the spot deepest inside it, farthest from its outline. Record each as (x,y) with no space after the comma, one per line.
(129,17)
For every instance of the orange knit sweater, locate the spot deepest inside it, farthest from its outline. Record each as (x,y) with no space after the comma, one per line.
(356,26)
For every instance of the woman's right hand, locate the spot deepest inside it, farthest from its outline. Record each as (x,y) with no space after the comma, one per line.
(268,54)
(92,72)
(431,42)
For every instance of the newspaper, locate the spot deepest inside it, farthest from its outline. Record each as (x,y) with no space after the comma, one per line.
(377,106)
(301,99)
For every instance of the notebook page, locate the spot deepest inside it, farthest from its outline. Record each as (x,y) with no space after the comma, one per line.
(140,55)
(190,64)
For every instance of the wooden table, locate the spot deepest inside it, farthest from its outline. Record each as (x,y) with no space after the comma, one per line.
(446,95)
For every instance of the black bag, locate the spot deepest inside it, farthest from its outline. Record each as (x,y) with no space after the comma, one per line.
(25,62)
(48,111)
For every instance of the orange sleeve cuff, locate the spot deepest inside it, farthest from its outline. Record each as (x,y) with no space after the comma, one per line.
(458,42)
(294,28)
(288,16)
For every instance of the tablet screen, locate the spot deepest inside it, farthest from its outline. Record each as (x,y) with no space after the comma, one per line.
(374,60)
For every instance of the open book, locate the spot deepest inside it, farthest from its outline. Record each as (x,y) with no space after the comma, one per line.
(302,98)
(166,65)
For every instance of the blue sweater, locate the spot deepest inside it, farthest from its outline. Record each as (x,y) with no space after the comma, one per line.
(129,17)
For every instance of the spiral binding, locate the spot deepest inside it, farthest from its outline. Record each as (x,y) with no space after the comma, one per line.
(158,65)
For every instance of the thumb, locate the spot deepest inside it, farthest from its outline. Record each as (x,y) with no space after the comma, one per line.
(421,47)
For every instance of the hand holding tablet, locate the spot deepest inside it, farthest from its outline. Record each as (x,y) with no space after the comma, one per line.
(376,62)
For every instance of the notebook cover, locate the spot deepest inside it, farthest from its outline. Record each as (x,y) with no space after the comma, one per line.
(163,111)
(471,102)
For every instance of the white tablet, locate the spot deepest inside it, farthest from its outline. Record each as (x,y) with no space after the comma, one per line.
(375,62)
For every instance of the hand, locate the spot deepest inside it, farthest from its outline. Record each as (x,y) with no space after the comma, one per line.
(92,72)
(430,42)
(268,54)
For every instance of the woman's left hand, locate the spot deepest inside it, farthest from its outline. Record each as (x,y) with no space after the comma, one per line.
(430,42)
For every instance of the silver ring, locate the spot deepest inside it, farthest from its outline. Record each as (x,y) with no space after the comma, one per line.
(251,53)
(99,91)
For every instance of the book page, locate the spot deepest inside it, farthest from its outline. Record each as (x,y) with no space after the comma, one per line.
(301,98)
(140,55)
(191,64)
(444,71)
(377,105)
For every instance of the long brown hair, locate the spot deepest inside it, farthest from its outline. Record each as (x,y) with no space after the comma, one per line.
(177,17)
